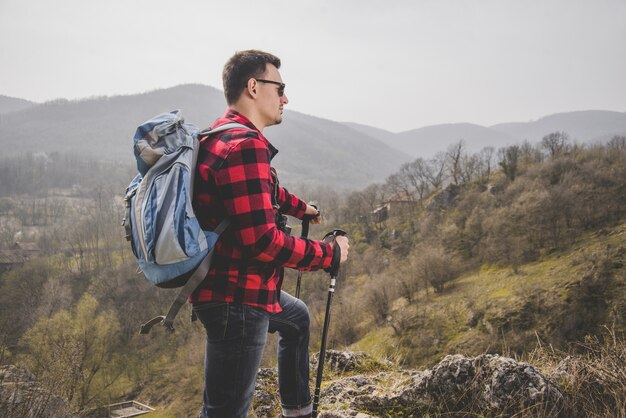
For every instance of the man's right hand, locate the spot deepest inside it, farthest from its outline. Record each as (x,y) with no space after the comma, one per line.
(344,246)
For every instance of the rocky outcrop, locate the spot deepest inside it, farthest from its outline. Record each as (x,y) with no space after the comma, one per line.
(485,385)
(341,361)
(21,396)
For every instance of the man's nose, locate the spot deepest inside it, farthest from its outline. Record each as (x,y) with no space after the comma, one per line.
(284,99)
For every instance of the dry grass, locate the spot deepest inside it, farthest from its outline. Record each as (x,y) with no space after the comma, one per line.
(592,375)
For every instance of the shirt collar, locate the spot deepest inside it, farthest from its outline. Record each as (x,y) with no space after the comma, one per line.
(232,115)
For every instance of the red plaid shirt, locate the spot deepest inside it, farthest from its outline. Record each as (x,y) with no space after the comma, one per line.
(234,179)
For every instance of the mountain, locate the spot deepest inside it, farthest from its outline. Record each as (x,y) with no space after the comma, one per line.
(382,135)
(311,149)
(583,126)
(427,141)
(331,151)
(13,104)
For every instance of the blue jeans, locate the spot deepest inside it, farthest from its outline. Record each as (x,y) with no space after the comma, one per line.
(236,336)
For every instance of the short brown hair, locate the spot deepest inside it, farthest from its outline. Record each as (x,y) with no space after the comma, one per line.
(243,66)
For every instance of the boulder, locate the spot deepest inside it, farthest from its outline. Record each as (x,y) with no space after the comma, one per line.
(484,385)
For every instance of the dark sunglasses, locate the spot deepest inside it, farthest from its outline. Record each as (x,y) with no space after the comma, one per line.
(281,86)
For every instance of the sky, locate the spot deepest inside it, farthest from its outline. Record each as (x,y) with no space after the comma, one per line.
(396,65)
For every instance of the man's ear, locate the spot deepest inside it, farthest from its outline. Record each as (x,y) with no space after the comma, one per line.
(251,87)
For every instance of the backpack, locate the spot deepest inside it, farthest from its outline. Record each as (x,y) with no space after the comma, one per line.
(171,248)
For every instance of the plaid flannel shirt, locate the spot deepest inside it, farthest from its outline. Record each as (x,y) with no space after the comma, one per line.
(234,179)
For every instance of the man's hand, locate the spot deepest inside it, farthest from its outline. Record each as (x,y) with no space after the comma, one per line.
(312,212)
(344,246)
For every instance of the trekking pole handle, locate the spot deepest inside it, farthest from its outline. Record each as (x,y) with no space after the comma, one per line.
(305,234)
(329,238)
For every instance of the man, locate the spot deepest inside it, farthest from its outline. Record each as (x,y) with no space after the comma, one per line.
(241,299)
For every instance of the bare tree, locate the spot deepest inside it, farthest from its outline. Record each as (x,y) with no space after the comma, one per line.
(436,267)
(454,156)
(486,162)
(470,167)
(435,172)
(419,176)
(529,154)
(361,203)
(555,143)
(618,142)
(399,184)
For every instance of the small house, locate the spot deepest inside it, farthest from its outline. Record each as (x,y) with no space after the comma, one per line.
(10,259)
(397,204)
(28,249)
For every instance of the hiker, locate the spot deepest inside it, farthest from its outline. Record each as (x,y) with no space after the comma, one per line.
(241,300)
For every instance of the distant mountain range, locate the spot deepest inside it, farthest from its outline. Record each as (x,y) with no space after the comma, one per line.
(582,126)
(312,149)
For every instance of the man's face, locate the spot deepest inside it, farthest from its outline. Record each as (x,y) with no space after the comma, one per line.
(269,100)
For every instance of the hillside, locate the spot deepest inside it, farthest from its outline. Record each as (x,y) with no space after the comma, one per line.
(13,104)
(558,299)
(312,150)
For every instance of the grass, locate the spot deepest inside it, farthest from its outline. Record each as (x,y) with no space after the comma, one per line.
(592,377)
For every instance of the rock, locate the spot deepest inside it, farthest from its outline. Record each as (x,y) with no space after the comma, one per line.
(473,318)
(445,199)
(483,385)
(21,396)
(510,385)
(340,361)
(266,403)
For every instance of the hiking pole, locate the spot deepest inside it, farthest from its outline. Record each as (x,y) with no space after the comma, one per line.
(304,234)
(331,291)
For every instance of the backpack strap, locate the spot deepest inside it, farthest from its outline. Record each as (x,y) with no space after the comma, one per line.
(194,281)
(221,128)
(209,132)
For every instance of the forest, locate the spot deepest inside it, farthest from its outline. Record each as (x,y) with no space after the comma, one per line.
(499,251)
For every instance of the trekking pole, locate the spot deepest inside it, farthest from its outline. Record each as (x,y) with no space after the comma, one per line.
(304,234)
(331,291)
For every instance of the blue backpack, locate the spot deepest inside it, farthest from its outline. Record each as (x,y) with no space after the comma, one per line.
(171,248)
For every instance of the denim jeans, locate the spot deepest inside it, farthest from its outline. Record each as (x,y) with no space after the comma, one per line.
(236,336)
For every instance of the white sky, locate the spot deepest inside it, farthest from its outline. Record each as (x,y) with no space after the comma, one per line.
(397,65)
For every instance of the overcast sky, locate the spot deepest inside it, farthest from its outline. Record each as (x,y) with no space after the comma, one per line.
(397,65)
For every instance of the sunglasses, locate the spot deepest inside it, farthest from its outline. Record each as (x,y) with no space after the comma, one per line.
(281,86)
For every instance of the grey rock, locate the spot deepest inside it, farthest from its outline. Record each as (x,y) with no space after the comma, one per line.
(487,384)
(340,361)
(21,396)
(473,318)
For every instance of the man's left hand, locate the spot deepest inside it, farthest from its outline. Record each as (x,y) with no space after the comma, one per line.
(314,214)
